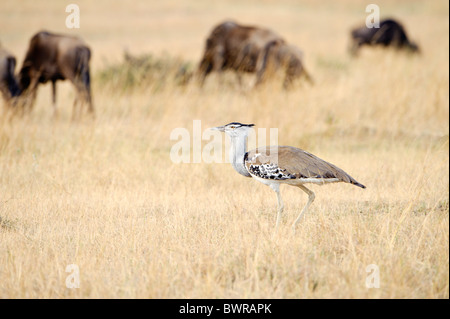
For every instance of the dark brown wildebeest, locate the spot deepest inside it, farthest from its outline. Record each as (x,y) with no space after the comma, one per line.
(53,57)
(282,56)
(249,49)
(390,33)
(9,87)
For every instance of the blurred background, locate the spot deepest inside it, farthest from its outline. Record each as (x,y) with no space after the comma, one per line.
(103,193)
(181,27)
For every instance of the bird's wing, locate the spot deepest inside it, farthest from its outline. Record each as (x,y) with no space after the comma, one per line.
(296,163)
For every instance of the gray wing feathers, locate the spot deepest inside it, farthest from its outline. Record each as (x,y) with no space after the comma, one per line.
(299,163)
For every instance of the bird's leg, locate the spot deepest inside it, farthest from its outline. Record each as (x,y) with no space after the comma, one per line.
(276,188)
(311,197)
(280,208)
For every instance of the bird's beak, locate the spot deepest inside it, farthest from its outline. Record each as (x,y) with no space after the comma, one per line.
(218,128)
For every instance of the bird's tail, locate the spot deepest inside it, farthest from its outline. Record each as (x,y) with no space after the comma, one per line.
(358,184)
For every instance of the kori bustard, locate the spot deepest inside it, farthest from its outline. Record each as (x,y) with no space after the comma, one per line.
(276,165)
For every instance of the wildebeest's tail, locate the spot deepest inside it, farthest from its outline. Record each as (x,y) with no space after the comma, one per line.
(82,56)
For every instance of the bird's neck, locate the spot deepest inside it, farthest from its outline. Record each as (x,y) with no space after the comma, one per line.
(237,152)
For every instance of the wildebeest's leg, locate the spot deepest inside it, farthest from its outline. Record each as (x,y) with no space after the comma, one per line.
(90,104)
(294,72)
(308,77)
(213,60)
(261,71)
(203,70)
(82,82)
(55,109)
(239,78)
(82,96)
(288,81)
(86,89)
(261,67)
(74,109)
(262,62)
(30,96)
(218,60)
(79,90)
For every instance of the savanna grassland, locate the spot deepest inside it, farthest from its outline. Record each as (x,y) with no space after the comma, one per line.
(103,193)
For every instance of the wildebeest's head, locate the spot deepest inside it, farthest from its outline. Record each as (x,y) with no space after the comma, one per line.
(8,83)
(288,58)
(24,77)
(413,47)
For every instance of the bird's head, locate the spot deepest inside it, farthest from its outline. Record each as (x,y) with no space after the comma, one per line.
(234,129)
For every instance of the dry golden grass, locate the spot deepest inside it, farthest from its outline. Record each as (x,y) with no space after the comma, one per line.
(105,196)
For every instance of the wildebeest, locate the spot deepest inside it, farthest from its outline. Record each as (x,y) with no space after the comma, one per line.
(53,57)
(249,49)
(390,33)
(282,56)
(9,87)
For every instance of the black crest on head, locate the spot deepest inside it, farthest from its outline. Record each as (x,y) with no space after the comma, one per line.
(240,124)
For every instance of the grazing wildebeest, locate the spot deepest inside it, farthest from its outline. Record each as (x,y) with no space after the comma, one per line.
(390,33)
(53,57)
(9,87)
(248,49)
(282,56)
